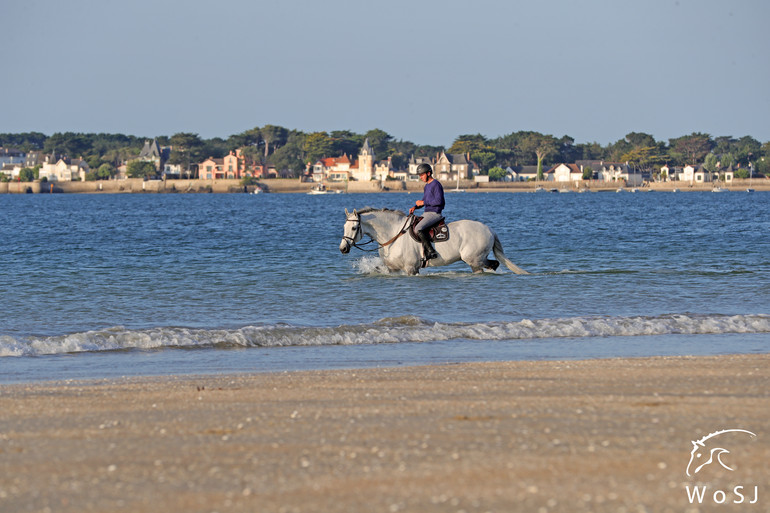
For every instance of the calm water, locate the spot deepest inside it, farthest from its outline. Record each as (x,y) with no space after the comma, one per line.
(106,285)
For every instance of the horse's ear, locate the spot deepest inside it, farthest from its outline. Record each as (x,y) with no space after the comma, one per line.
(346,212)
(354,212)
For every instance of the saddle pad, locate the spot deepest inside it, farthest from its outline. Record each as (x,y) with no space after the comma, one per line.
(438,233)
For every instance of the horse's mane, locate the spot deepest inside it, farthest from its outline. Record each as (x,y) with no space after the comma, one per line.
(366,210)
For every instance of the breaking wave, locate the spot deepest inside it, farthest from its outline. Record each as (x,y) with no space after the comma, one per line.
(384,331)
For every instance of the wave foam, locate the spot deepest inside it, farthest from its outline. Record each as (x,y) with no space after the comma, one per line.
(384,331)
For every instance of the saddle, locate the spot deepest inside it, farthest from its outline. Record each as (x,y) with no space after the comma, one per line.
(438,232)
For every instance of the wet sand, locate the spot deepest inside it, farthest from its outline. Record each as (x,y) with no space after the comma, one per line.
(598,435)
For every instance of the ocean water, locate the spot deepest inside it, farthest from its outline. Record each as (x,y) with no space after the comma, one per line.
(95,286)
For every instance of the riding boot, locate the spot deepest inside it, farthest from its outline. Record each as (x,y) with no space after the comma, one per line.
(427,250)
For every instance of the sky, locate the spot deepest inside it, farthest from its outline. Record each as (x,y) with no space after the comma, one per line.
(424,71)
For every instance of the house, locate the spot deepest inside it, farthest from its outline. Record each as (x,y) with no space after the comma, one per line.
(727,174)
(64,170)
(332,168)
(454,167)
(668,173)
(11,156)
(384,170)
(172,170)
(211,169)
(522,173)
(232,166)
(614,171)
(11,171)
(694,174)
(414,163)
(151,152)
(341,168)
(566,173)
(34,158)
(401,175)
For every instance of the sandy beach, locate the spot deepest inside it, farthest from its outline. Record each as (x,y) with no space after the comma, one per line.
(597,435)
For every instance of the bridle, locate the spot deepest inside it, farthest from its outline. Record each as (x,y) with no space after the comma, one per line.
(352,240)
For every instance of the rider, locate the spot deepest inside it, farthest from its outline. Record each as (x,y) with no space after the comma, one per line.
(433,201)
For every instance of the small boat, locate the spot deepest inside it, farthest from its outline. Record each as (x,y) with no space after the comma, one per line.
(675,190)
(719,189)
(258,190)
(749,190)
(620,189)
(319,189)
(540,189)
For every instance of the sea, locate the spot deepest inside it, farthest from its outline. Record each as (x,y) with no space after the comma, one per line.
(101,286)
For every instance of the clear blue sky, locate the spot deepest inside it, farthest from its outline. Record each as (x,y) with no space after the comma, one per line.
(423,71)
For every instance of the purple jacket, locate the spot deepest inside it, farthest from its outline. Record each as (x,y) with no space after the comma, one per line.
(433,196)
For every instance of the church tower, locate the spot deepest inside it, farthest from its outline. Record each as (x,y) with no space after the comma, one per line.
(366,160)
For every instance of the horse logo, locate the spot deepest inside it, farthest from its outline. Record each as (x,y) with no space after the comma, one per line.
(700,451)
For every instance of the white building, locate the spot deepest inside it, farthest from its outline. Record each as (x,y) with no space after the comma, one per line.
(64,170)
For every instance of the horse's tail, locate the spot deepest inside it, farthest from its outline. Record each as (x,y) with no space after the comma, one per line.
(497,249)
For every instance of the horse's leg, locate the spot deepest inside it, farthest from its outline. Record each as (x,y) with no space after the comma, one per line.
(478,260)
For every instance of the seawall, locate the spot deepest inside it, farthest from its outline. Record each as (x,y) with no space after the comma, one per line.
(279,185)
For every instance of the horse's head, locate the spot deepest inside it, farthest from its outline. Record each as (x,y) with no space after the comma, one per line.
(702,455)
(352,231)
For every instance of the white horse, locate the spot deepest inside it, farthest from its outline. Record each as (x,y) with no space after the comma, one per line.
(469,241)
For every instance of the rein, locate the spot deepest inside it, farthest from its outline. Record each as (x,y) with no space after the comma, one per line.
(403,230)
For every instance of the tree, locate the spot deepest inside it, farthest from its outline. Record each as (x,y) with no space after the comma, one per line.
(640,140)
(469,144)
(316,146)
(496,173)
(71,144)
(484,159)
(26,142)
(105,172)
(186,149)
(379,141)
(588,173)
(645,158)
(546,147)
(711,163)
(26,174)
(741,173)
(141,169)
(291,156)
(478,148)
(726,160)
(345,142)
(762,163)
(245,139)
(747,147)
(526,148)
(690,149)
(275,135)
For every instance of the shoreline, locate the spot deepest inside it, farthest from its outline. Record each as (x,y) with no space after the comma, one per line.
(279,185)
(576,435)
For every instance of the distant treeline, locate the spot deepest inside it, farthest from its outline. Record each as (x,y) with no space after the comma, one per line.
(289,150)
